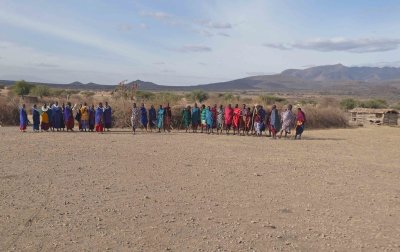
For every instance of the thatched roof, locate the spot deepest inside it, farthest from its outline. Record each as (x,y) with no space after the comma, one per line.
(373,111)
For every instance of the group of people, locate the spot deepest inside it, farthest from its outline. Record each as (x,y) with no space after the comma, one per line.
(206,119)
(242,121)
(60,118)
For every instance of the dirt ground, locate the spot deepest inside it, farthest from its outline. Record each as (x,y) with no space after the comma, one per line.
(335,190)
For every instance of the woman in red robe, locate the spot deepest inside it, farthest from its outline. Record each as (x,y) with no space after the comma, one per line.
(236,119)
(228,115)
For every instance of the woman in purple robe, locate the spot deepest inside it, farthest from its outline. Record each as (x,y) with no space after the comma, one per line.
(69,117)
(99,118)
(143,116)
(107,117)
(56,116)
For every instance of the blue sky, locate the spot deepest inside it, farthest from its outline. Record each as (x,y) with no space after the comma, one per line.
(190,42)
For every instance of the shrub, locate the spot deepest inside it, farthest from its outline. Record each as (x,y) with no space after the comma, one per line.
(9,114)
(40,91)
(325,117)
(228,97)
(88,93)
(270,99)
(22,88)
(144,95)
(375,103)
(198,96)
(348,103)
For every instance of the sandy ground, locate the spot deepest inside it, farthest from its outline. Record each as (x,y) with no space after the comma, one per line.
(336,190)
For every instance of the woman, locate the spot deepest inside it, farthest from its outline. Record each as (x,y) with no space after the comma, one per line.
(143,116)
(167,118)
(107,117)
(92,118)
(78,117)
(23,119)
(186,118)
(195,118)
(135,117)
(209,120)
(69,117)
(203,117)
(275,122)
(84,117)
(99,117)
(300,121)
(45,125)
(236,119)
(152,117)
(35,118)
(160,118)
(228,115)
(220,119)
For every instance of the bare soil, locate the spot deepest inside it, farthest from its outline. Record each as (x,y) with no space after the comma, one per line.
(335,190)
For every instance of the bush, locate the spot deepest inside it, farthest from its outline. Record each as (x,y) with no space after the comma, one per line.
(40,91)
(198,96)
(228,97)
(144,95)
(325,117)
(22,88)
(88,93)
(2,86)
(375,103)
(348,103)
(9,114)
(270,99)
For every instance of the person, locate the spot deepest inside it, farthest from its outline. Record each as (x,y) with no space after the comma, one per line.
(92,118)
(228,115)
(236,119)
(135,117)
(143,116)
(84,117)
(69,117)
(152,117)
(186,118)
(275,122)
(203,117)
(78,117)
(220,119)
(257,121)
(300,123)
(167,118)
(195,118)
(107,116)
(268,122)
(160,118)
(23,118)
(50,114)
(262,114)
(35,118)
(45,125)
(288,119)
(209,120)
(99,117)
(248,121)
(242,120)
(56,117)
(214,114)
(62,116)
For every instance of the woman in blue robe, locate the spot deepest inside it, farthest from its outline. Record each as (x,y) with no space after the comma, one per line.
(209,120)
(195,117)
(107,117)
(56,116)
(92,120)
(275,122)
(152,117)
(160,118)
(23,119)
(143,116)
(36,118)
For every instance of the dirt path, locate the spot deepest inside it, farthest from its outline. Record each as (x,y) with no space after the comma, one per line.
(334,190)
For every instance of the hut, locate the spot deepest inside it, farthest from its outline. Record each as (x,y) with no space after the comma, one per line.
(368,116)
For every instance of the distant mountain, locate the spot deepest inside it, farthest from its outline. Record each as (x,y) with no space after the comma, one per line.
(336,79)
(340,72)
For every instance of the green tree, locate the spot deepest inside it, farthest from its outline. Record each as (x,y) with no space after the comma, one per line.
(199,95)
(228,97)
(348,103)
(22,88)
(40,91)
(375,104)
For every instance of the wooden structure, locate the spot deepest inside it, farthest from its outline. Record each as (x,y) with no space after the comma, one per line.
(367,116)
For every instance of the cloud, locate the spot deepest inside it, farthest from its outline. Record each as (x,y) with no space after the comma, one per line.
(157,15)
(159,63)
(202,64)
(194,48)
(223,34)
(362,45)
(130,27)
(216,25)
(47,65)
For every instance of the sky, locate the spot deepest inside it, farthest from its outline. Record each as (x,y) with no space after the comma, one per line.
(175,42)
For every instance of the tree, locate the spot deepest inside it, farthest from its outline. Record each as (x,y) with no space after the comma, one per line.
(22,88)
(348,103)
(198,95)
(40,91)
